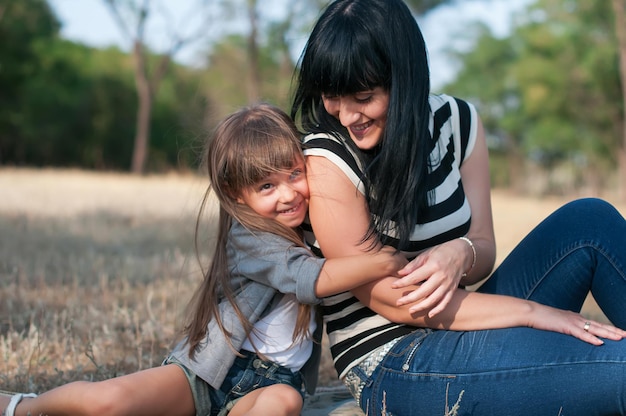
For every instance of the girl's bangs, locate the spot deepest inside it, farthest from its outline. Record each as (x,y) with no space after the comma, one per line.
(262,157)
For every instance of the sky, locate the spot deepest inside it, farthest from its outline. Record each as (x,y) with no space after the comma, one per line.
(90,22)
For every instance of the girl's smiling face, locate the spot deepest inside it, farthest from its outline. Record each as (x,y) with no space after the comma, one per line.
(364,114)
(282,196)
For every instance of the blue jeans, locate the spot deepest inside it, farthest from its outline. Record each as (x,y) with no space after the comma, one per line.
(250,373)
(246,374)
(524,371)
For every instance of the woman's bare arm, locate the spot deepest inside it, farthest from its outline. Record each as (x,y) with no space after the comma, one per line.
(340,217)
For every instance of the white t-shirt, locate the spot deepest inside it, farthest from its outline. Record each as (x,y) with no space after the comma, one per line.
(273,335)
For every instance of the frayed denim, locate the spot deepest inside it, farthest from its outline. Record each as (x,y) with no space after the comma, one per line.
(580,248)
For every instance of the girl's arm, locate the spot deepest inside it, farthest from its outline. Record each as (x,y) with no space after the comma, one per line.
(344,273)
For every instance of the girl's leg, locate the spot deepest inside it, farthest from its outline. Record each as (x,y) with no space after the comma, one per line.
(281,398)
(161,390)
(516,371)
(579,248)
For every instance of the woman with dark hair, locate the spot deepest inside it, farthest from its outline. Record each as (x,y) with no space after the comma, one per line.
(390,163)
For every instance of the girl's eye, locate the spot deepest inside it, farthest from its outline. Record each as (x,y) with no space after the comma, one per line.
(296,174)
(265,187)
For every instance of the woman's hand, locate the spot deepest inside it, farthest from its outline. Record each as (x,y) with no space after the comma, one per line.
(438,272)
(572,323)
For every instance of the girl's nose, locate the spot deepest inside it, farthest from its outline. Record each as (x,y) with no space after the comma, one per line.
(287,194)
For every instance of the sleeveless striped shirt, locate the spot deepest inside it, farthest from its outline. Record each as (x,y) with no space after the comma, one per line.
(353,329)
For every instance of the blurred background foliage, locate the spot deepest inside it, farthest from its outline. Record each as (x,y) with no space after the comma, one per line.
(549,92)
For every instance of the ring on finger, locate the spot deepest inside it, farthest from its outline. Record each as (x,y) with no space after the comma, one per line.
(587,326)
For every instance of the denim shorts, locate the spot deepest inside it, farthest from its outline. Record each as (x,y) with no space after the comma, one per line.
(247,373)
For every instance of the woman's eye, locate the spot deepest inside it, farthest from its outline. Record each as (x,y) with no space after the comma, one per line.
(363,98)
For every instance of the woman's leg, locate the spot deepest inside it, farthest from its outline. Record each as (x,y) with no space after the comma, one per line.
(284,400)
(579,248)
(523,371)
(161,390)
(516,371)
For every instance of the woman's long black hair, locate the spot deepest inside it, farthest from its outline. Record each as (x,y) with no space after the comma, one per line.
(357,45)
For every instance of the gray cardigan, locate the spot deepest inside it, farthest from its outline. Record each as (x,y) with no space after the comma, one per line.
(262,266)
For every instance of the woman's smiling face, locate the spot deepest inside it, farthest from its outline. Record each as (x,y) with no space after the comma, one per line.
(364,114)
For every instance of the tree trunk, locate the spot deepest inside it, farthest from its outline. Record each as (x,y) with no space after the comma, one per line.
(254,86)
(147,87)
(144,96)
(619,7)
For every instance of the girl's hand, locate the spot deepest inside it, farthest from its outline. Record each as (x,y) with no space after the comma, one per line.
(395,257)
(574,324)
(438,272)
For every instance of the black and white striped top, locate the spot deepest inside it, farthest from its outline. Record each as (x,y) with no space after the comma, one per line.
(353,329)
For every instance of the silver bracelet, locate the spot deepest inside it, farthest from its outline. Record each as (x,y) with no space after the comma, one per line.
(468,241)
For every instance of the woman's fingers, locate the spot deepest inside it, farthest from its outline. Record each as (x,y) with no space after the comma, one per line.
(603,330)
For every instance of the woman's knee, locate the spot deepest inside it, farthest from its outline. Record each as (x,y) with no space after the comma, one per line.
(587,218)
(591,208)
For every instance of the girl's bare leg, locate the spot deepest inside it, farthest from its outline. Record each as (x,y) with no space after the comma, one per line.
(284,400)
(4,401)
(161,390)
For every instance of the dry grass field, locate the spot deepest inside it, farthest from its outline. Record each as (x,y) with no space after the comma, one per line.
(96,270)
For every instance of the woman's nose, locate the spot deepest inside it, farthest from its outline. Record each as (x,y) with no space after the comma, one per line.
(342,109)
(347,112)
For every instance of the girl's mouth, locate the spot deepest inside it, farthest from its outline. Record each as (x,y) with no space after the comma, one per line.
(292,209)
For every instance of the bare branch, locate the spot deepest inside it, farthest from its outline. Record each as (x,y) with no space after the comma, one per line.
(144,12)
(113,7)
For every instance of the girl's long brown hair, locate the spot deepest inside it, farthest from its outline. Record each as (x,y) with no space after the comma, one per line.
(245,147)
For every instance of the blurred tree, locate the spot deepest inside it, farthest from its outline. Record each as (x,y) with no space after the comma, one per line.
(264,54)
(421,7)
(21,24)
(131,17)
(76,109)
(254,71)
(266,28)
(619,8)
(550,87)
(486,79)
